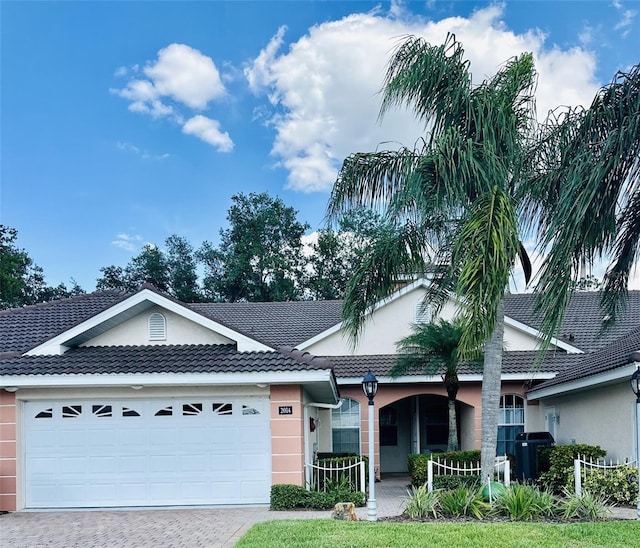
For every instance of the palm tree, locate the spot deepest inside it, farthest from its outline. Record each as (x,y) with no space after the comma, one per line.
(433,349)
(485,175)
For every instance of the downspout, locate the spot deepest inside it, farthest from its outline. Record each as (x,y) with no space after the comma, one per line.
(307,449)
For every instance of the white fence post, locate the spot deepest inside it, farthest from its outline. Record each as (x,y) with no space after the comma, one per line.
(363,484)
(577,477)
(507,473)
(430,476)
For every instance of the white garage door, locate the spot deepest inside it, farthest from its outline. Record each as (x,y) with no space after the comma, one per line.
(147,452)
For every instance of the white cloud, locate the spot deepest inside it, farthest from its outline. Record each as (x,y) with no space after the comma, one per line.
(128,242)
(181,79)
(186,75)
(626,18)
(144,154)
(208,130)
(323,89)
(180,73)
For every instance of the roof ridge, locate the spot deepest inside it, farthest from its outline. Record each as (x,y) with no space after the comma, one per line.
(56,302)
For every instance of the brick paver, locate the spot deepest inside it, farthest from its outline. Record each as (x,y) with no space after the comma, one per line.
(172,527)
(162,528)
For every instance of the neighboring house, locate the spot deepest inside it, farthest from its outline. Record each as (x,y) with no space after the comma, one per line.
(112,399)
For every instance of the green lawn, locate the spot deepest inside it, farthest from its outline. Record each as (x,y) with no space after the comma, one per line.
(332,534)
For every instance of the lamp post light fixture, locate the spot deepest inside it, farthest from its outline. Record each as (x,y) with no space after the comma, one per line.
(370,387)
(635,386)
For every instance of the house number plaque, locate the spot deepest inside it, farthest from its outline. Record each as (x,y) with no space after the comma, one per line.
(285,410)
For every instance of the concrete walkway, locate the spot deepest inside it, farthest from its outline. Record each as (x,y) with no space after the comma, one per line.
(173,527)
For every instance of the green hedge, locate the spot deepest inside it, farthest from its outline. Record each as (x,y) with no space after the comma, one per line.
(290,497)
(418,463)
(556,464)
(325,480)
(619,485)
(455,481)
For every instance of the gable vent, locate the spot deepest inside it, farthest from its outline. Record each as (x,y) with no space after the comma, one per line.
(423,313)
(157,327)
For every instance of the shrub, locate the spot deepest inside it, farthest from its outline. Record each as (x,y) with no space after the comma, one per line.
(290,497)
(286,496)
(324,480)
(586,507)
(559,475)
(522,502)
(422,503)
(471,481)
(463,502)
(418,463)
(619,485)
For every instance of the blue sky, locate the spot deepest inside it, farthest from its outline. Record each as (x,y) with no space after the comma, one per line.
(125,122)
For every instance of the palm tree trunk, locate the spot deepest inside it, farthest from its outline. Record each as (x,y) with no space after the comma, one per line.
(452,443)
(491,386)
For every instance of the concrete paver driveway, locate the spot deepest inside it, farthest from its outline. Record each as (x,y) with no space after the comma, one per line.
(162,528)
(172,527)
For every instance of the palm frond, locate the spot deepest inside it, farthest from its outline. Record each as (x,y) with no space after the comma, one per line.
(486,248)
(434,81)
(395,253)
(371,179)
(587,196)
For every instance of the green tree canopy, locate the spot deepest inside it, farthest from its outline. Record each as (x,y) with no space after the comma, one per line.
(337,252)
(260,255)
(22,282)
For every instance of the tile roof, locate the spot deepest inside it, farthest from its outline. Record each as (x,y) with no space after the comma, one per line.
(24,328)
(608,358)
(521,362)
(276,324)
(291,323)
(583,319)
(161,359)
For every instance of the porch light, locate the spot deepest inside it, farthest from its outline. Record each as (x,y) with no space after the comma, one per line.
(635,386)
(370,387)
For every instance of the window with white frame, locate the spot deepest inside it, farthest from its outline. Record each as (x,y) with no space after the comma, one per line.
(345,427)
(157,327)
(510,423)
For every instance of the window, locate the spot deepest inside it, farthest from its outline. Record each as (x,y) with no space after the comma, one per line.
(388,426)
(510,423)
(222,408)
(345,424)
(157,327)
(165,411)
(191,409)
(102,410)
(46,414)
(71,411)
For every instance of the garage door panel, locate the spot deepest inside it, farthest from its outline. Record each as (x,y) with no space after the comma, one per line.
(194,463)
(134,453)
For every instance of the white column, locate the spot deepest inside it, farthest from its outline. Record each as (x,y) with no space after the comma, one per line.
(372,511)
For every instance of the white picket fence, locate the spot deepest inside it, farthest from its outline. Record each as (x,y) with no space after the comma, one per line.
(502,466)
(335,471)
(581,466)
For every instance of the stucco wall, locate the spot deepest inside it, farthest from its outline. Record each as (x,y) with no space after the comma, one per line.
(287,436)
(391,322)
(179,331)
(7,451)
(386,326)
(604,416)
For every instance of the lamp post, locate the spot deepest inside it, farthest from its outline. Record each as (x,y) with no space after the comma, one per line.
(635,386)
(370,387)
